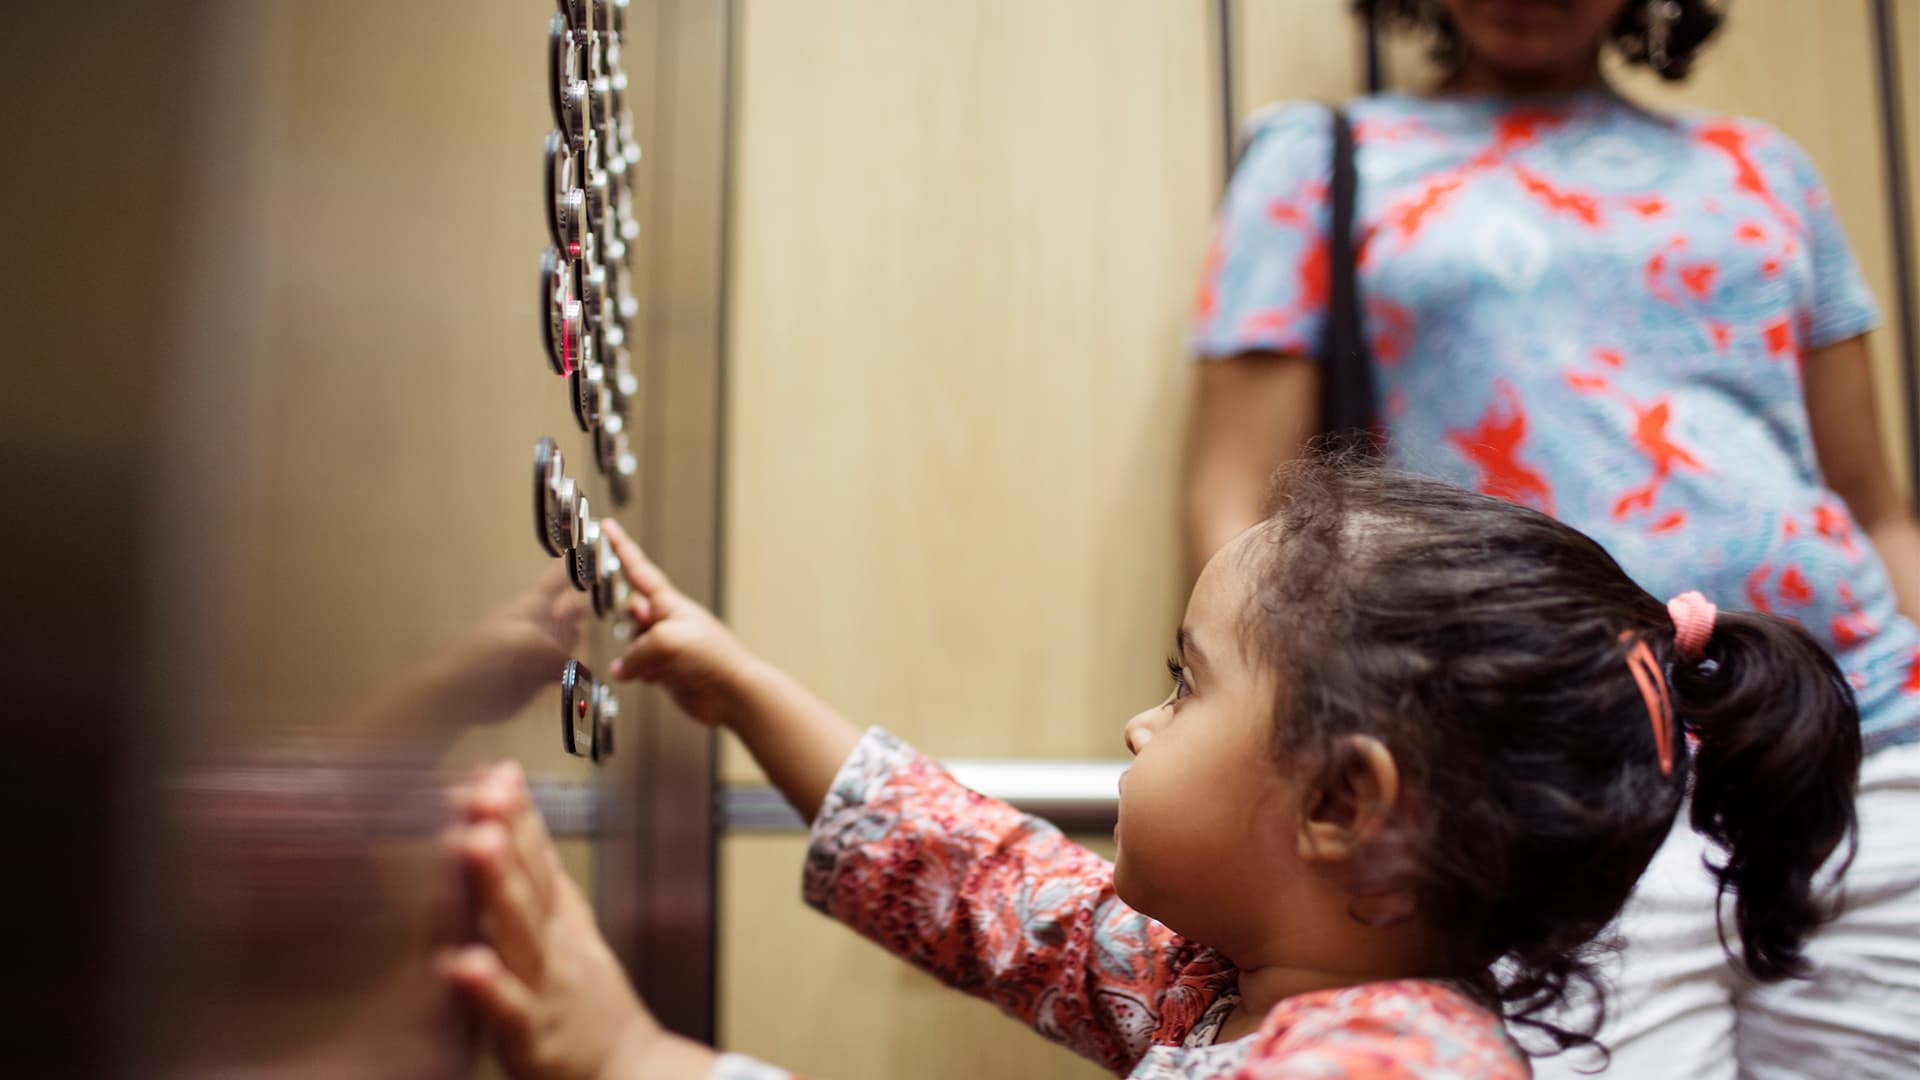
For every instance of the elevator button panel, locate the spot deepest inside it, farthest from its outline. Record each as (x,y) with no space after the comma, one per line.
(588,309)
(560,511)
(588,326)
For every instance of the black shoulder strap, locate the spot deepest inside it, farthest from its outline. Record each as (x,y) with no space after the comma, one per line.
(1346,366)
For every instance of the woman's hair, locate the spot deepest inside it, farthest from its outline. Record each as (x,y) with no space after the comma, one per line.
(1486,646)
(1696,23)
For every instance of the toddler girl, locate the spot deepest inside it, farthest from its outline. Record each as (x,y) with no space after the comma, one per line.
(1420,745)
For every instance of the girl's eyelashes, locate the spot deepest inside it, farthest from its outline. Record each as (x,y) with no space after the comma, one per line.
(1179,672)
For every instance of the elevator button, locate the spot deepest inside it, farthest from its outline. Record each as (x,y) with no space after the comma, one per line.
(617,82)
(583,560)
(593,178)
(600,88)
(583,525)
(605,711)
(588,709)
(568,92)
(593,285)
(576,709)
(621,379)
(558,506)
(609,442)
(564,323)
(559,65)
(566,202)
(610,589)
(589,395)
(613,324)
(621,470)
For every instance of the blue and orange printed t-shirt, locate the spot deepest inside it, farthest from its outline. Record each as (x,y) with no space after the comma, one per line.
(1598,311)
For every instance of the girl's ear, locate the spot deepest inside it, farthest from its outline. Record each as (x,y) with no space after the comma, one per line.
(1351,801)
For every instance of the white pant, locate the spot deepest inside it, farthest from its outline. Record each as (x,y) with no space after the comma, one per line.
(1678,1010)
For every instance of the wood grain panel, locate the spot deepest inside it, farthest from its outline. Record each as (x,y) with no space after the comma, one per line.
(1292,51)
(964,240)
(808,994)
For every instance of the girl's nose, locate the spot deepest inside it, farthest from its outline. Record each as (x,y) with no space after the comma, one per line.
(1139,730)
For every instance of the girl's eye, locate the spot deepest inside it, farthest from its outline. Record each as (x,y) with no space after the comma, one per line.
(1179,673)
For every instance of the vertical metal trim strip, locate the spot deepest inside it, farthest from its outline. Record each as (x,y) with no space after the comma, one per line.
(1900,220)
(1229,108)
(659,895)
(1375,71)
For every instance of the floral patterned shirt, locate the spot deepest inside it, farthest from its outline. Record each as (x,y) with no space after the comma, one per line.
(1003,906)
(1597,311)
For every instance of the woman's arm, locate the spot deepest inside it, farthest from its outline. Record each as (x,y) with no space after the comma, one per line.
(1853,457)
(1251,414)
(1256,325)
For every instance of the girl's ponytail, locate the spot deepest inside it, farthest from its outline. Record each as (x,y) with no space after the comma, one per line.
(1776,765)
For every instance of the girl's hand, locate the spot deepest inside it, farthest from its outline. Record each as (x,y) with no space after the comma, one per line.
(680,645)
(553,994)
(798,739)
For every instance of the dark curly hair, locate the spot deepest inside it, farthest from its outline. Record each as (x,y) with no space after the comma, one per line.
(1697,22)
(1485,645)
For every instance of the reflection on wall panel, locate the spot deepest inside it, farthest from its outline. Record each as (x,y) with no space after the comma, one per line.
(348,445)
(965,238)
(860,1014)
(288,508)
(404,205)
(1808,69)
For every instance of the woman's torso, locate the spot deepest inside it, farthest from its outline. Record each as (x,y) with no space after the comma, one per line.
(1603,313)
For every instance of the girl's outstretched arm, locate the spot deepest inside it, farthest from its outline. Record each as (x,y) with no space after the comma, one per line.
(1004,907)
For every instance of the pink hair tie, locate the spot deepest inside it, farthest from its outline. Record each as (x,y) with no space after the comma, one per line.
(1692,625)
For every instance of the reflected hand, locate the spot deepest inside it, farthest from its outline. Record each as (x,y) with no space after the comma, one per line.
(553,995)
(680,645)
(526,642)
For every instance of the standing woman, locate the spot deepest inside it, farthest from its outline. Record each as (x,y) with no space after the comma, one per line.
(1651,327)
